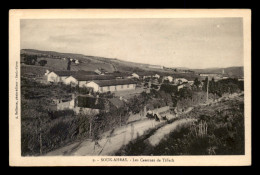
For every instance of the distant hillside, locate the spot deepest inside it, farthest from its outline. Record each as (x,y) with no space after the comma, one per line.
(89,63)
(56,61)
(231,71)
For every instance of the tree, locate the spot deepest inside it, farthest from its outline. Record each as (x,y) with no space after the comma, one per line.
(205,84)
(30,59)
(196,82)
(42,62)
(69,63)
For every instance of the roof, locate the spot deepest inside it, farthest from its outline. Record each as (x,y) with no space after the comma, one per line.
(91,102)
(83,72)
(82,77)
(65,73)
(144,73)
(69,73)
(119,74)
(116,102)
(103,83)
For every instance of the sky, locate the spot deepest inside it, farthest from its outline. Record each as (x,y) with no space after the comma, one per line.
(171,42)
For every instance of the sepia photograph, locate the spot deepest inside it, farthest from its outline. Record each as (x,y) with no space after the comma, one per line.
(138,87)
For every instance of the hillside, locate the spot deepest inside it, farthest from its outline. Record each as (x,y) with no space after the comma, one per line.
(56,61)
(89,63)
(231,71)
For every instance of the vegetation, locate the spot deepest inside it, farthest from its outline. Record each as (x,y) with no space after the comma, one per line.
(42,62)
(44,129)
(219,130)
(29,59)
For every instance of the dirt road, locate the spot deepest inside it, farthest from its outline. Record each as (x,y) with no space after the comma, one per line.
(167,129)
(111,141)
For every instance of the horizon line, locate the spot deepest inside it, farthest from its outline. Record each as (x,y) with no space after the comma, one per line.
(180,67)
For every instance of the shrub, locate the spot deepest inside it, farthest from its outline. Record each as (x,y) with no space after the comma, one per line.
(42,62)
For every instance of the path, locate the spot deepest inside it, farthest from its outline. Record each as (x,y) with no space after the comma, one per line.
(109,143)
(167,129)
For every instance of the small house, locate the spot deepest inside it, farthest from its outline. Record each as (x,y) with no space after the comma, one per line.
(135,75)
(169,78)
(101,71)
(156,76)
(180,80)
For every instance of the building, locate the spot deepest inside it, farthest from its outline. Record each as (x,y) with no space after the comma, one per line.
(180,81)
(58,76)
(101,71)
(135,75)
(191,82)
(111,85)
(156,76)
(155,66)
(169,78)
(64,74)
(52,77)
(74,77)
(120,75)
(82,80)
(71,81)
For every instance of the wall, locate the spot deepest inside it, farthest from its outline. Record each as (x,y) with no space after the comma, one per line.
(82,83)
(117,88)
(70,80)
(52,77)
(93,85)
(66,105)
(87,111)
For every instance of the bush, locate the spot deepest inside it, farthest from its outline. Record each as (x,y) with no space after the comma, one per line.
(57,114)
(42,62)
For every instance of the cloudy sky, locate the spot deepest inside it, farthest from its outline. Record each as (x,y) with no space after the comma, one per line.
(191,43)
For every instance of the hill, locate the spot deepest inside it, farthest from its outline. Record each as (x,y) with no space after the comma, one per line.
(56,61)
(231,71)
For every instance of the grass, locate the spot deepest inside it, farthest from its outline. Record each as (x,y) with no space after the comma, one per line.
(219,130)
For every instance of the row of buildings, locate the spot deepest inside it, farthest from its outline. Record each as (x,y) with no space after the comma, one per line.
(101,81)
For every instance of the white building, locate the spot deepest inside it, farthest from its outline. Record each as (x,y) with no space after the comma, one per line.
(191,82)
(155,66)
(169,78)
(156,76)
(71,81)
(134,75)
(58,76)
(52,77)
(111,85)
(180,80)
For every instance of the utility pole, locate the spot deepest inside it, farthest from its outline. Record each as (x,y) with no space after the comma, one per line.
(207,90)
